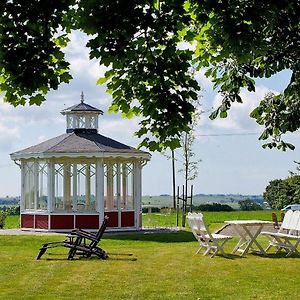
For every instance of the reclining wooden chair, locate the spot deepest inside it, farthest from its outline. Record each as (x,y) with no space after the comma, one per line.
(80,242)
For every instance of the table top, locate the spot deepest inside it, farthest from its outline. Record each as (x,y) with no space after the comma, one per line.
(248,222)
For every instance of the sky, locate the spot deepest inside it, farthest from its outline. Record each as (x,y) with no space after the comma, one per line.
(232,159)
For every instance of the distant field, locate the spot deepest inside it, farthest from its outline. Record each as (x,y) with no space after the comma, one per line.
(167,201)
(168,219)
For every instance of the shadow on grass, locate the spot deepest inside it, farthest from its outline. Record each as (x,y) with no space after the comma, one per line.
(111,256)
(281,255)
(170,237)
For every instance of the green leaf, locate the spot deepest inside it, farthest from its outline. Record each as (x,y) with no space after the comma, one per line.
(214,114)
(223,114)
(290,146)
(102,80)
(37,99)
(114,108)
(108,75)
(156,4)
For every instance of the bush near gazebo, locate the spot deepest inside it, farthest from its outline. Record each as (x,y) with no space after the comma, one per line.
(3,216)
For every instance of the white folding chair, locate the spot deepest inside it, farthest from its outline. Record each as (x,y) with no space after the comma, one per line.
(287,238)
(212,242)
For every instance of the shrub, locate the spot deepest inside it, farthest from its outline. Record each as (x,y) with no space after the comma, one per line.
(213,207)
(2,219)
(11,209)
(247,205)
(153,210)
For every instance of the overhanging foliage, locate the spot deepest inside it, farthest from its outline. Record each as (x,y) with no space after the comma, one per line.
(146,44)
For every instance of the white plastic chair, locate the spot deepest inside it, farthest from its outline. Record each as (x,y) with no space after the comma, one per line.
(212,242)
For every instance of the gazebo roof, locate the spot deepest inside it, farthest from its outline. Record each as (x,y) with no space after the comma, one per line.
(80,143)
(82,107)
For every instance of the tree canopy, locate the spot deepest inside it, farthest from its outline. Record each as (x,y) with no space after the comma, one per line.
(282,192)
(152,49)
(248,205)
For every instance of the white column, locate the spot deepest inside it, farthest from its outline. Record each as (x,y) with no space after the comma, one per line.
(67,187)
(124,185)
(118,178)
(137,187)
(100,188)
(88,187)
(110,187)
(22,200)
(49,186)
(74,202)
(36,184)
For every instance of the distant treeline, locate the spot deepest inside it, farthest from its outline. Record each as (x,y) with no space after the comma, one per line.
(9,201)
(245,205)
(213,207)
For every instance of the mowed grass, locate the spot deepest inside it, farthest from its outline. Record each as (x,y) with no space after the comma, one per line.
(12,222)
(168,219)
(162,266)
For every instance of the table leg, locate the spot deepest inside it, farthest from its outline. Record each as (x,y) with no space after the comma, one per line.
(253,239)
(242,240)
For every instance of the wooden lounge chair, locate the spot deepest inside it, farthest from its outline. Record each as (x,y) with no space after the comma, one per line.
(80,242)
(212,242)
(288,236)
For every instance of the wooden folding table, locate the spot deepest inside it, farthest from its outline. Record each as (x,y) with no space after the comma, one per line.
(248,231)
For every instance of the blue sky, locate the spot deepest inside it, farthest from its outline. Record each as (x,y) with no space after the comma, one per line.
(233,160)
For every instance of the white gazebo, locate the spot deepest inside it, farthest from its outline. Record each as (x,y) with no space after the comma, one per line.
(73,180)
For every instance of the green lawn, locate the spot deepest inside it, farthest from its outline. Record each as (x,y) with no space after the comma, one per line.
(163,266)
(168,219)
(12,222)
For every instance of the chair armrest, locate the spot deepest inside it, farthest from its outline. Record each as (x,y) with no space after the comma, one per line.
(81,231)
(53,243)
(85,235)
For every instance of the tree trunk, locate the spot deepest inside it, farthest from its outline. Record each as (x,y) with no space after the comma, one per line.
(174,179)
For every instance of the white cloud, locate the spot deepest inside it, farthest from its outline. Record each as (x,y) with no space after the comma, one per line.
(4,130)
(238,119)
(203,81)
(7,136)
(78,55)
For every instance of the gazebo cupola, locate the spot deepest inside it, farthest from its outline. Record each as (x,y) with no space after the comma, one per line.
(75,179)
(82,116)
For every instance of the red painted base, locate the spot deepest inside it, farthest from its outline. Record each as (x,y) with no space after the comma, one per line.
(69,222)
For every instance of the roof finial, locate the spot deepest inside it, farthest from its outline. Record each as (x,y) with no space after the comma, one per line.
(82,97)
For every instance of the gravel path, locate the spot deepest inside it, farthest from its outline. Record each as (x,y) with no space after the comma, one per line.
(229,230)
(21,232)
